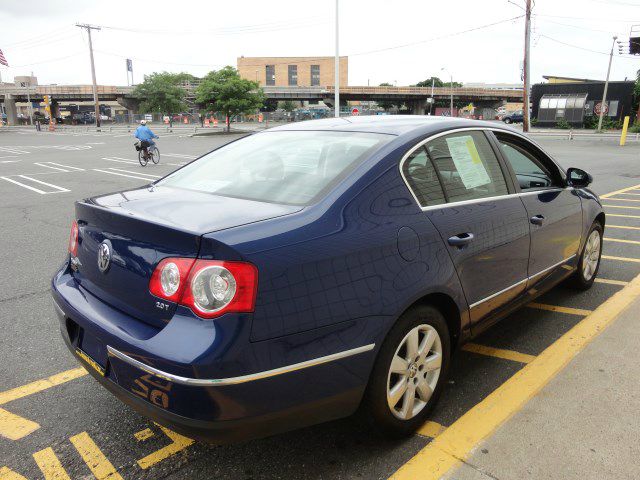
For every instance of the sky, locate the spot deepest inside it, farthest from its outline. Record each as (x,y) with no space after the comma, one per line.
(401,42)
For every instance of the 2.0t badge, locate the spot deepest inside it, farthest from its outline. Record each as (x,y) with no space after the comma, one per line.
(104,257)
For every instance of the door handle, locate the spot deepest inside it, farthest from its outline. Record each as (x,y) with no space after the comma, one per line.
(460,240)
(537,219)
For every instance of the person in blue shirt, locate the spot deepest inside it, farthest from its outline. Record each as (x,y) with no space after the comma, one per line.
(145,135)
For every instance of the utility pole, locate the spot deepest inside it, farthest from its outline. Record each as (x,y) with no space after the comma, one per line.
(93,69)
(337,65)
(525,70)
(606,87)
(451,91)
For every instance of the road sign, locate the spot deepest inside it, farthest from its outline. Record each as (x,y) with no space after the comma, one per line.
(355,111)
(598,107)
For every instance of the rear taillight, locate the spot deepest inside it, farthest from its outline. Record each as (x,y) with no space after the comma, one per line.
(73,239)
(169,279)
(210,288)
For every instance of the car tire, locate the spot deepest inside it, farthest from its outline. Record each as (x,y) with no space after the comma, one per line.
(589,261)
(401,393)
(507,121)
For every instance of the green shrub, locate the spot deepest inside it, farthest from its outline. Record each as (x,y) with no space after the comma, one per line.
(635,128)
(562,123)
(534,121)
(590,122)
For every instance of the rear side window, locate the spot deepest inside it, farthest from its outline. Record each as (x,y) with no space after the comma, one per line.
(467,166)
(423,179)
(290,167)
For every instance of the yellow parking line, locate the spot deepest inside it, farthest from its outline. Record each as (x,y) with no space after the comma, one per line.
(7,474)
(498,353)
(178,443)
(627,193)
(621,259)
(431,429)
(99,465)
(143,435)
(611,282)
(49,465)
(455,444)
(15,427)
(556,308)
(620,206)
(621,240)
(39,385)
(611,194)
(623,216)
(625,227)
(624,199)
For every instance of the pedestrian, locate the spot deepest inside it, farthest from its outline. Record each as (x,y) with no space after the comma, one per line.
(201,120)
(38,127)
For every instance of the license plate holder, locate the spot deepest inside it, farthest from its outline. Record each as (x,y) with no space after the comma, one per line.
(93,352)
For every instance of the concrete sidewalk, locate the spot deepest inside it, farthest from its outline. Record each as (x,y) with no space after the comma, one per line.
(584,424)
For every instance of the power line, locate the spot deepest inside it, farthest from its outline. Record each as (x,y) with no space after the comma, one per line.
(51,60)
(582,48)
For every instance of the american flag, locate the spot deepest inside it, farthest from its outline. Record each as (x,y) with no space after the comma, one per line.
(3,61)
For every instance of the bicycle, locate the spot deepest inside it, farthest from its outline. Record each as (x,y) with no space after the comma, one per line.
(148,153)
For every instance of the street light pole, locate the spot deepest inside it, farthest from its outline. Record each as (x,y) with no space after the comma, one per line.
(451,87)
(606,86)
(337,66)
(93,71)
(525,68)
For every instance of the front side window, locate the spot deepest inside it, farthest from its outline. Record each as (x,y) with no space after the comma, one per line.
(530,172)
(467,166)
(294,168)
(293,75)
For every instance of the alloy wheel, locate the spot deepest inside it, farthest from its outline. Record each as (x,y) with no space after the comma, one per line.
(591,255)
(414,372)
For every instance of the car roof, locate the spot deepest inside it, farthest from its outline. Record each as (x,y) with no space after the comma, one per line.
(386,124)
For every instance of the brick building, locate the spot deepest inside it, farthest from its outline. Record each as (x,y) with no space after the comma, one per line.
(293,71)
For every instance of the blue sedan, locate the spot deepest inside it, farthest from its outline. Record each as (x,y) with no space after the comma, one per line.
(302,273)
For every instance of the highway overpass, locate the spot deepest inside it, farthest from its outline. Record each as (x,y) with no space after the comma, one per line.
(414,97)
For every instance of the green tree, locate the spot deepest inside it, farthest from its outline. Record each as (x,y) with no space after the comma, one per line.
(437,83)
(226,92)
(385,104)
(161,93)
(287,105)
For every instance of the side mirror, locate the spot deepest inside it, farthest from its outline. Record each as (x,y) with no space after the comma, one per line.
(578,178)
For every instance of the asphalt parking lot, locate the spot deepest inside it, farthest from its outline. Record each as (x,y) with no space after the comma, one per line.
(57,423)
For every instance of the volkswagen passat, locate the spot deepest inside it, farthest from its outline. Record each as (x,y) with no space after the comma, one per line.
(295,275)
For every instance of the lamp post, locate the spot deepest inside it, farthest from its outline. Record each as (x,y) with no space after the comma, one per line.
(451,87)
(337,66)
(606,86)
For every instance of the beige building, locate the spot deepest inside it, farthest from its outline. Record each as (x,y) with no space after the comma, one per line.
(293,71)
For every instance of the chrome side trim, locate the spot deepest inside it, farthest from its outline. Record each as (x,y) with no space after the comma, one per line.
(475,200)
(214,382)
(552,267)
(498,293)
(473,305)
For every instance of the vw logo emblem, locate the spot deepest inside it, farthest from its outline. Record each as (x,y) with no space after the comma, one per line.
(104,257)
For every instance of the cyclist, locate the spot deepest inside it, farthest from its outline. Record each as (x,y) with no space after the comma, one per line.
(145,135)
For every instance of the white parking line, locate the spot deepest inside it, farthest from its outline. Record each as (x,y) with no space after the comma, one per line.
(60,189)
(66,166)
(49,166)
(177,164)
(179,155)
(119,160)
(12,150)
(119,174)
(135,173)
(37,190)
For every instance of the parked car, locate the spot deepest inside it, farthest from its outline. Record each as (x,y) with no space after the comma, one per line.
(298,274)
(513,117)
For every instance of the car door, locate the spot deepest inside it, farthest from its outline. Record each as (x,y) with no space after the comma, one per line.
(554,210)
(462,188)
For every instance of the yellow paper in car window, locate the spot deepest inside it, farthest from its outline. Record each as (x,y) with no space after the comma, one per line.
(467,160)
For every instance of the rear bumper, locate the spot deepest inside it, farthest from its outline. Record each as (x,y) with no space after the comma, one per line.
(217,385)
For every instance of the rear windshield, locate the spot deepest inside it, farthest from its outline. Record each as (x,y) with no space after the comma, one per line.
(291,167)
